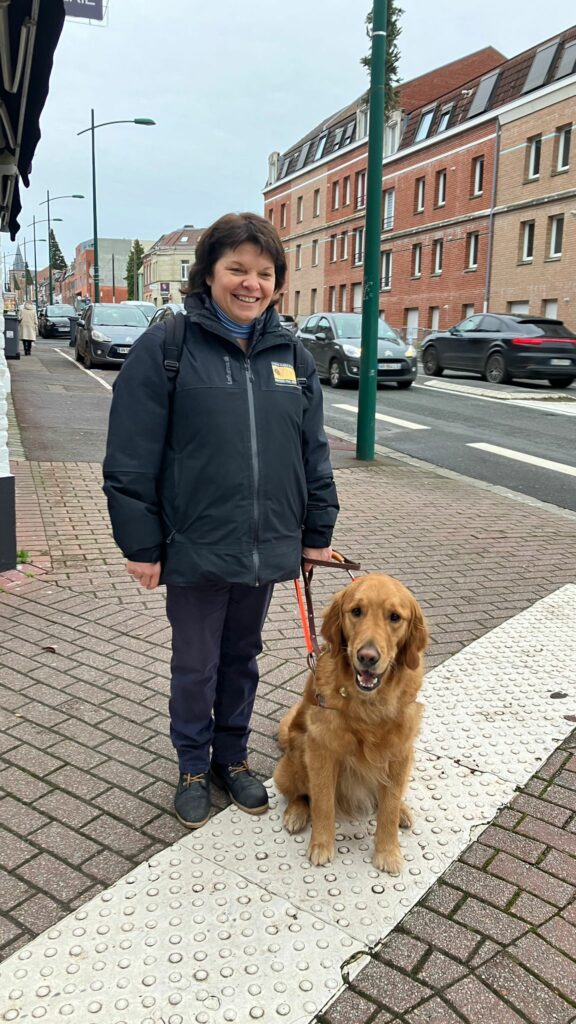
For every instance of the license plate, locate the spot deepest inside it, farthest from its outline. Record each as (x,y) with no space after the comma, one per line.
(63,328)
(389,366)
(560,362)
(122,351)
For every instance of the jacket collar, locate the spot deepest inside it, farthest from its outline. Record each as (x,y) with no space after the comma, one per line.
(267,329)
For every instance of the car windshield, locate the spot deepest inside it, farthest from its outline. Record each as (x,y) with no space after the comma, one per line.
(148,308)
(60,310)
(349,325)
(119,316)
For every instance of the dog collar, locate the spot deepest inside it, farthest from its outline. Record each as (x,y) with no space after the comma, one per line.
(321,700)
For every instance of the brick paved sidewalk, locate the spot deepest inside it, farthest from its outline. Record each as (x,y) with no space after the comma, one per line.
(88,769)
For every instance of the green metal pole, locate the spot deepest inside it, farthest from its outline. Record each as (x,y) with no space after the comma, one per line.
(35,265)
(366,429)
(50,286)
(94,217)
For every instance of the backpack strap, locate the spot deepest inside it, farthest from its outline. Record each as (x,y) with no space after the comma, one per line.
(174,343)
(299,368)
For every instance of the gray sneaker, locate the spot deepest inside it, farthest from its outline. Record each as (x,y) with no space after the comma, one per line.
(192,799)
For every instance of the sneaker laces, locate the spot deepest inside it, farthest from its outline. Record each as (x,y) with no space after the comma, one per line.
(188,778)
(235,769)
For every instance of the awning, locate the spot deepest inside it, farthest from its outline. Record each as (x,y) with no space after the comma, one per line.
(29,34)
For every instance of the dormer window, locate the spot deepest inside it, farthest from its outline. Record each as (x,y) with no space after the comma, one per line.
(425,124)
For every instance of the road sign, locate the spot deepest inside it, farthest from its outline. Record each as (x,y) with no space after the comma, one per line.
(92,9)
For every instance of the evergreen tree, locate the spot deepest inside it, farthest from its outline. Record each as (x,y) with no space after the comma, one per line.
(29,278)
(392,54)
(56,258)
(134,261)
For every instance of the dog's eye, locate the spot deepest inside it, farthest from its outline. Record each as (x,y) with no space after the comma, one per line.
(356,612)
(395,617)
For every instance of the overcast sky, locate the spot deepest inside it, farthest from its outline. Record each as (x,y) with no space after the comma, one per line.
(227,84)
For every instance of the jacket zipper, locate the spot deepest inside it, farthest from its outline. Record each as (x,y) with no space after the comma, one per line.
(255,465)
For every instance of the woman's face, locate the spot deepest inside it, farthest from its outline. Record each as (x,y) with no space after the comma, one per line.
(242,282)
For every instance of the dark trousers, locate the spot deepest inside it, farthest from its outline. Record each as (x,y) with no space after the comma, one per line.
(216,638)
(27,347)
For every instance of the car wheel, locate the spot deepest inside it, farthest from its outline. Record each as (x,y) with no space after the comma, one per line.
(495,369)
(431,363)
(561,382)
(403,384)
(335,377)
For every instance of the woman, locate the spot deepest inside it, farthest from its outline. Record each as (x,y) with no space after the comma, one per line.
(217,490)
(28,326)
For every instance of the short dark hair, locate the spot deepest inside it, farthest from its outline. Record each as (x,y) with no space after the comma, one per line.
(229,232)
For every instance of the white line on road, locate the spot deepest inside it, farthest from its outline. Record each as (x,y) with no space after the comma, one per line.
(533,460)
(387,419)
(564,405)
(84,370)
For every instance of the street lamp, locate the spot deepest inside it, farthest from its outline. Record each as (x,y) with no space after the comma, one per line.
(33,226)
(92,129)
(46,202)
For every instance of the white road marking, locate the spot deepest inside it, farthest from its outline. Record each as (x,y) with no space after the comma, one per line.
(84,370)
(533,460)
(564,404)
(387,419)
(269,932)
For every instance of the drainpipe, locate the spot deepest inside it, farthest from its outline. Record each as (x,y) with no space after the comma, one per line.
(490,248)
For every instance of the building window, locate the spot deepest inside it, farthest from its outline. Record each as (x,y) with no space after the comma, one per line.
(417,260)
(472,245)
(271,214)
(344,245)
(296,303)
(313,297)
(342,299)
(300,209)
(534,155)
(388,205)
(298,257)
(386,278)
(444,119)
(424,125)
(283,215)
(441,188)
(478,176)
(346,191)
(361,190)
(358,246)
(467,310)
(438,256)
(184,268)
(434,317)
(555,234)
(316,203)
(332,298)
(527,241)
(550,308)
(315,253)
(563,141)
(419,195)
(335,195)
(333,248)
(321,146)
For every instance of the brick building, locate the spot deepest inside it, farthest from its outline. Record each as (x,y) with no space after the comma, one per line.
(445,210)
(167,263)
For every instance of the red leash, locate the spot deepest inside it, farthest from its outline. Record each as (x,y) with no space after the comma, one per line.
(338,561)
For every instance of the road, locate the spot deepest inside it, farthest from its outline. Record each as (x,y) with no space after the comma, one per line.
(527,445)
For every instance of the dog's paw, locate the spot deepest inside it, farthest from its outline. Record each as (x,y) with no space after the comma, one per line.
(390,861)
(320,853)
(296,816)
(406,816)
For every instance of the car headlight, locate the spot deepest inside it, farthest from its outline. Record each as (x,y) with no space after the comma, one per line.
(351,350)
(98,336)
(49,323)
(411,352)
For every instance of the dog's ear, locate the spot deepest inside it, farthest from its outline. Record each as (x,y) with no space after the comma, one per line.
(332,623)
(416,640)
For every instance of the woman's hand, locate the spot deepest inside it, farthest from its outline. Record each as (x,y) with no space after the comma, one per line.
(325,554)
(146,573)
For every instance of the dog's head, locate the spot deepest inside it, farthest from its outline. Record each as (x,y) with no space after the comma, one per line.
(378,625)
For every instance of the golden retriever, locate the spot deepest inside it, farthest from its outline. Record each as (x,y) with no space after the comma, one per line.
(348,743)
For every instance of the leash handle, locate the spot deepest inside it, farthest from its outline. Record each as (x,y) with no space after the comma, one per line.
(337,561)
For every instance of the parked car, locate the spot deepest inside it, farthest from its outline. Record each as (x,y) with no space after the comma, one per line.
(106,333)
(54,320)
(148,308)
(501,347)
(288,322)
(334,341)
(168,309)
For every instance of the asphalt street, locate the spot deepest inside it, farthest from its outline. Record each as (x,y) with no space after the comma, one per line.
(526,432)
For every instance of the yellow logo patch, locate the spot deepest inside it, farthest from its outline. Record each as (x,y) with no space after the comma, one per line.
(283,373)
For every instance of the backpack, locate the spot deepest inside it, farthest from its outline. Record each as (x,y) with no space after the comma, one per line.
(174,343)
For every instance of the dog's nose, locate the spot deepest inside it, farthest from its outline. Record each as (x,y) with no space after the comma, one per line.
(368,656)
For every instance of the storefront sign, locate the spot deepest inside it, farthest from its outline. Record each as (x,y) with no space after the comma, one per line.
(93,9)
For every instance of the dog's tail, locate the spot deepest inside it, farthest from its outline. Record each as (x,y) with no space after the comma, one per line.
(284,728)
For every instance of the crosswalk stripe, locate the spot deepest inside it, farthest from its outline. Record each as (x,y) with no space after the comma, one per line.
(387,419)
(533,460)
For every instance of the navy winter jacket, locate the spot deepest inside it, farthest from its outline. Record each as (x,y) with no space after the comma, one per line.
(224,474)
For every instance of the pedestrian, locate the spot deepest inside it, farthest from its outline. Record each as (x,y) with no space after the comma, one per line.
(217,490)
(28,326)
